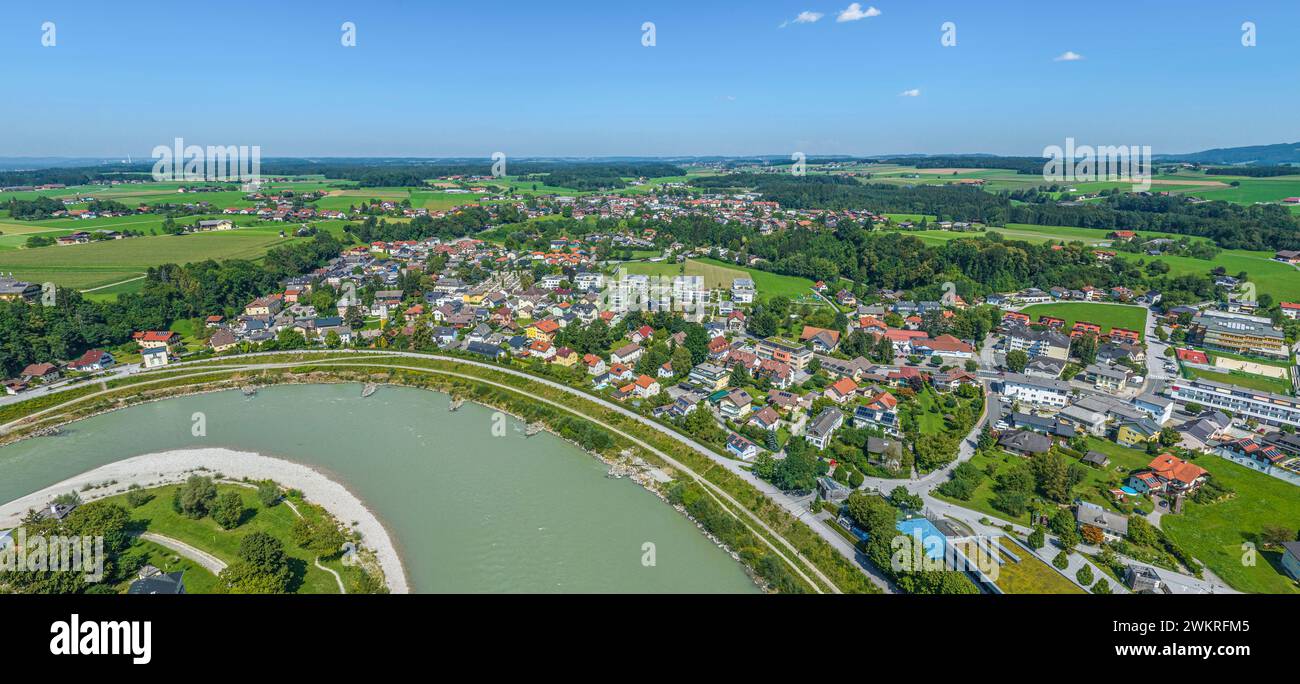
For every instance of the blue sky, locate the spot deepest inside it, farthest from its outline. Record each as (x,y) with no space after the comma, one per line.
(572,78)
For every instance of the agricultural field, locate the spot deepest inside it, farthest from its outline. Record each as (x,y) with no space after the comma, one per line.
(1214,533)
(100,264)
(1278,279)
(1105,315)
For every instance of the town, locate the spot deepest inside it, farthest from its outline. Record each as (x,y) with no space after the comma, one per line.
(1070,421)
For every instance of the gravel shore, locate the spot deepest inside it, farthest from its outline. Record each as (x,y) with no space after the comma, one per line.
(167,467)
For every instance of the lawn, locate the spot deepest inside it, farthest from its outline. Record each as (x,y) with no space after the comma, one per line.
(197,579)
(157,516)
(1214,533)
(1249,380)
(1105,315)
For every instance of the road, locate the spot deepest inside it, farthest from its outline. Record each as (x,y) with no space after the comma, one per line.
(111,374)
(209,562)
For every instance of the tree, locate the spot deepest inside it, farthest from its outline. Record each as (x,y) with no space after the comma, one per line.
(697,341)
(1140,531)
(1016,360)
(1085,348)
(137,497)
(901,498)
(262,568)
(873,514)
(1276,535)
(1061,561)
(228,510)
(681,360)
(1102,586)
(1037,538)
(1093,535)
(1084,575)
(194,498)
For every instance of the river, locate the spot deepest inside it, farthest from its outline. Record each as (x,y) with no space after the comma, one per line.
(469,509)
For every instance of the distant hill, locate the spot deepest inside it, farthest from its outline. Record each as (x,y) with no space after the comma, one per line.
(1257,155)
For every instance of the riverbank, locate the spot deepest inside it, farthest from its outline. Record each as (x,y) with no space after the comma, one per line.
(576,430)
(169,467)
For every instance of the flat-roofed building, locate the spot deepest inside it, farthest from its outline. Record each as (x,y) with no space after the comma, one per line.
(1242,402)
(1239,333)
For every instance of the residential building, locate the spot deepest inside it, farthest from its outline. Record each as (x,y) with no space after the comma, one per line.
(709,376)
(1112,525)
(736,404)
(742,290)
(1267,408)
(1136,433)
(1039,391)
(823,426)
(1024,442)
(794,355)
(1049,343)
(1110,378)
(741,448)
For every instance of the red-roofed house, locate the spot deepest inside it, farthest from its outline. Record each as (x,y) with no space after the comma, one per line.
(841,391)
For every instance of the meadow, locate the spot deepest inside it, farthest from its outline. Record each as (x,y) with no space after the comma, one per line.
(1278,279)
(98,264)
(1214,533)
(1105,315)
(718,274)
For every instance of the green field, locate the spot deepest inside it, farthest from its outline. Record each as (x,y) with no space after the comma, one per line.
(718,274)
(104,263)
(1273,277)
(1257,382)
(1214,533)
(1105,315)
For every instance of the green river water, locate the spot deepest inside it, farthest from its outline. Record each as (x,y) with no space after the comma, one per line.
(468,511)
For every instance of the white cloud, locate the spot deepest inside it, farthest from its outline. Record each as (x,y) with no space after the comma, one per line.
(914,92)
(1067,56)
(855,12)
(805,17)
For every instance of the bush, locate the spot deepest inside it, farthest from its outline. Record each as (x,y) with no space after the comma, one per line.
(1084,575)
(1061,561)
(268,492)
(1037,538)
(137,497)
(1101,587)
